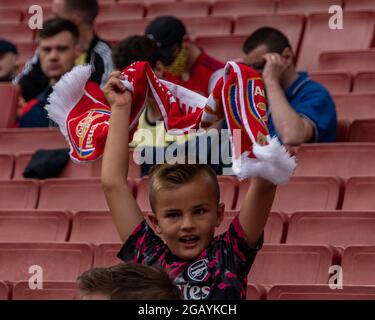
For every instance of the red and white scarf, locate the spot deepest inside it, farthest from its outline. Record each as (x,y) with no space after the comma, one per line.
(80,109)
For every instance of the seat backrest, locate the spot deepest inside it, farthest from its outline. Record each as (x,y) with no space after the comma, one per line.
(237,8)
(335,82)
(118,11)
(95,227)
(4,290)
(9,101)
(355,106)
(106,255)
(57,261)
(17,32)
(72,195)
(362,131)
(306,7)
(318,37)
(255,292)
(292,264)
(16,194)
(364,82)
(210,26)
(342,130)
(338,228)
(359,5)
(358,265)
(359,194)
(6,166)
(179,9)
(33,226)
(10,15)
(52,290)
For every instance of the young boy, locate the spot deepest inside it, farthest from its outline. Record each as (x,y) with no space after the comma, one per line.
(186,211)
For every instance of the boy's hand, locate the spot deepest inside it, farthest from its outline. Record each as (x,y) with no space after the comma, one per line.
(116,93)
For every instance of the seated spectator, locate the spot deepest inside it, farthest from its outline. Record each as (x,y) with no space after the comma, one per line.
(127,281)
(58,48)
(94,50)
(8,60)
(301,110)
(187,65)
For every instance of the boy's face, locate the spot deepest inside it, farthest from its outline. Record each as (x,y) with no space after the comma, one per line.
(186,217)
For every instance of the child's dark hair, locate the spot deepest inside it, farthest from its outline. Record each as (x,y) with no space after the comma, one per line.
(168,176)
(129,281)
(135,48)
(54,26)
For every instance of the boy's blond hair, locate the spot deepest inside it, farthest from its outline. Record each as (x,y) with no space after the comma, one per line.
(169,176)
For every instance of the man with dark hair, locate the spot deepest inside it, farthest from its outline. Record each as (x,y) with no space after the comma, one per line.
(187,65)
(301,110)
(58,48)
(95,51)
(127,281)
(8,60)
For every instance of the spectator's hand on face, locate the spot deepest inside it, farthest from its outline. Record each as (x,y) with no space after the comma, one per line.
(116,93)
(274,67)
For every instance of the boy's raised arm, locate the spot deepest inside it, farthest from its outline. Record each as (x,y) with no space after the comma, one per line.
(124,209)
(256,208)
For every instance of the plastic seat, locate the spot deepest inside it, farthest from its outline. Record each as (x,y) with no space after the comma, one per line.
(306,7)
(236,8)
(364,82)
(335,82)
(96,227)
(23,3)
(342,130)
(359,5)
(26,50)
(273,231)
(52,290)
(120,11)
(106,255)
(178,9)
(16,141)
(10,15)
(292,264)
(6,166)
(34,226)
(9,100)
(347,60)
(72,195)
(223,48)
(362,131)
(302,193)
(211,26)
(358,265)
(355,106)
(17,32)
(255,292)
(58,261)
(290,24)
(320,292)
(359,194)
(339,228)
(18,194)
(336,159)
(4,290)
(357,34)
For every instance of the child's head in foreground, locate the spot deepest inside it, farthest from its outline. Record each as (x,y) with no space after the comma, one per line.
(127,281)
(185,200)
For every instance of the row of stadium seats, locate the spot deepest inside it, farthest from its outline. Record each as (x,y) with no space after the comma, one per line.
(337,228)
(301,193)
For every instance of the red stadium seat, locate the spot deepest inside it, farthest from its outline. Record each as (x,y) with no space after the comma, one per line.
(58,261)
(302,193)
(23,3)
(29,140)
(120,11)
(33,226)
(26,50)
(273,232)
(320,292)
(106,255)
(72,195)
(211,26)
(342,130)
(223,48)
(255,292)
(9,15)
(358,265)
(306,7)
(359,194)
(4,290)
(17,32)
(359,5)
(364,82)
(178,9)
(290,24)
(52,290)
(339,228)
(348,60)
(95,227)
(237,8)
(335,82)
(18,194)
(292,264)
(336,159)
(9,97)
(362,131)
(6,166)
(357,34)
(355,106)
